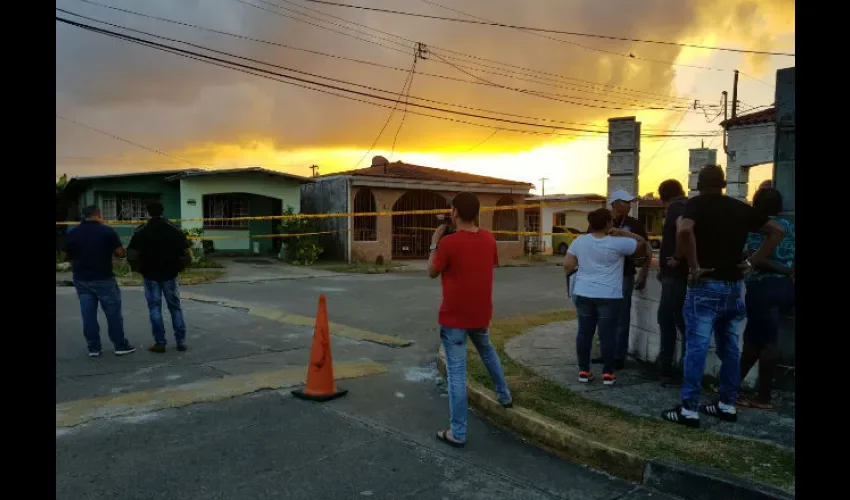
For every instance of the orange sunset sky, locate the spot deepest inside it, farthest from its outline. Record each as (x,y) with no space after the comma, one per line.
(200,115)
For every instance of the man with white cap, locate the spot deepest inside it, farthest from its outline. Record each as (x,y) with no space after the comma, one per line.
(621,204)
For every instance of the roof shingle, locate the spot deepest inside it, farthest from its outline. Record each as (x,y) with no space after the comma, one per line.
(406,171)
(759,117)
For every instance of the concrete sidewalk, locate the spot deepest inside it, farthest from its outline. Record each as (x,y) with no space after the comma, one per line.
(550,351)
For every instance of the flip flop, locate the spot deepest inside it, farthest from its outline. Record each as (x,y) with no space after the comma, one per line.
(444,437)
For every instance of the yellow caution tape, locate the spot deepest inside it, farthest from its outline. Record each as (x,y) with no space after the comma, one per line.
(385,213)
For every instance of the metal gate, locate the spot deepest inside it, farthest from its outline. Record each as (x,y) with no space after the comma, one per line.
(411,238)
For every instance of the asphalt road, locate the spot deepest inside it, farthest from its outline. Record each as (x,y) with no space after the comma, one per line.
(377,442)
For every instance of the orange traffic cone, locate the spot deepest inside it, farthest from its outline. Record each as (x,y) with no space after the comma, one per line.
(320,374)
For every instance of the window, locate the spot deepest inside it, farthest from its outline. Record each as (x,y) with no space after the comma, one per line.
(561,219)
(506,220)
(365,227)
(225,206)
(125,206)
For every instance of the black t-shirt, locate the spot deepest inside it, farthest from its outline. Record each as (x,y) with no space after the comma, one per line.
(631,225)
(721,225)
(90,247)
(158,247)
(668,239)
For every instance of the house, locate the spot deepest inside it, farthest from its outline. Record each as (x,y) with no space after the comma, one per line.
(197,194)
(558,210)
(401,187)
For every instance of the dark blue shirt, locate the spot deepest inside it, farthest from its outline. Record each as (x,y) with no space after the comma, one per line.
(668,237)
(90,247)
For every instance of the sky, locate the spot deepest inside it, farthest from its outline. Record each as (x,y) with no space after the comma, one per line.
(159,111)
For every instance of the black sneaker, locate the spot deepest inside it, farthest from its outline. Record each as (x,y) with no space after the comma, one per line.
(182,347)
(715,411)
(675,416)
(157,348)
(509,404)
(127,349)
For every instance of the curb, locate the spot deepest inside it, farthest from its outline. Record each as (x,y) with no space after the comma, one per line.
(668,477)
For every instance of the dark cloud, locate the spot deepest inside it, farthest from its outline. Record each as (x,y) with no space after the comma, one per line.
(173,103)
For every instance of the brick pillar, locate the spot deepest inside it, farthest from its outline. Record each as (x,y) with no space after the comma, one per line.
(624,157)
(698,158)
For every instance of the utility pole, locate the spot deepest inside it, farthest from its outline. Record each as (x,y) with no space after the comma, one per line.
(725,117)
(315,169)
(422,51)
(543,185)
(735,96)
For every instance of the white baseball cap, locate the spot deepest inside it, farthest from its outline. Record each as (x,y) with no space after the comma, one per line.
(621,196)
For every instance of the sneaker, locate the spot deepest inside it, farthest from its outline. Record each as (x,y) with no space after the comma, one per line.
(715,410)
(157,348)
(182,347)
(675,416)
(94,354)
(585,377)
(608,378)
(127,349)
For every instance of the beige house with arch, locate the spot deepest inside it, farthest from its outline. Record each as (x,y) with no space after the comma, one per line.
(400,187)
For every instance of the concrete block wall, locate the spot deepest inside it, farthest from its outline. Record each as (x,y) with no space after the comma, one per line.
(645,337)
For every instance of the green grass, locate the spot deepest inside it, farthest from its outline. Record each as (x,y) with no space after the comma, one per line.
(649,438)
(206,264)
(190,276)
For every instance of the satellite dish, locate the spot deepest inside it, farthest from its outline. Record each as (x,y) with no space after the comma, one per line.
(379,161)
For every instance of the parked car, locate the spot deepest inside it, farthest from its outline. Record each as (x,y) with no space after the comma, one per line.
(563,237)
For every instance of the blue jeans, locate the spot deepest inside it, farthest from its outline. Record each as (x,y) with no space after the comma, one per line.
(454,343)
(718,307)
(625,319)
(107,293)
(593,313)
(671,319)
(767,299)
(154,290)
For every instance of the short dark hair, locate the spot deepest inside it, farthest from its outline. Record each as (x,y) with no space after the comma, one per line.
(669,189)
(599,218)
(711,177)
(155,208)
(467,206)
(90,211)
(768,201)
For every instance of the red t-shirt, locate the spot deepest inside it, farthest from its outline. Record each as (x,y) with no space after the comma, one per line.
(465,261)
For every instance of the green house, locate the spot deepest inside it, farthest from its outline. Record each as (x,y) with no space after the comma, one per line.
(197,194)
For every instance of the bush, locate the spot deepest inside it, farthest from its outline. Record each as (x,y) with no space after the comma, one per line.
(300,250)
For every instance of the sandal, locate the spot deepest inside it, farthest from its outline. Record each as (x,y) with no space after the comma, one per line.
(444,437)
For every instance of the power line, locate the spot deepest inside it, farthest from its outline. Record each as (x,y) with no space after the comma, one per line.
(544,30)
(756,79)
(629,56)
(649,163)
(371,63)
(168,48)
(121,139)
(470,56)
(419,52)
(407,80)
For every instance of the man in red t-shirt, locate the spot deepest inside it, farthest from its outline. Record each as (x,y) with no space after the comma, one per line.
(465,259)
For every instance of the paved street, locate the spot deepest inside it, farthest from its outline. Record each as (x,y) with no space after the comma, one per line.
(194,425)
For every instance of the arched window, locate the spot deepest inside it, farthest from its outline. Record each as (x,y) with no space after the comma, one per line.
(506,220)
(366,226)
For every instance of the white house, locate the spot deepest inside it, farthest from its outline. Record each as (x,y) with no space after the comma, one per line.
(568,210)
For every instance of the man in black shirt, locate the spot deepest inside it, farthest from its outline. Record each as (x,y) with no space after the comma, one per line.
(621,203)
(673,276)
(160,250)
(711,236)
